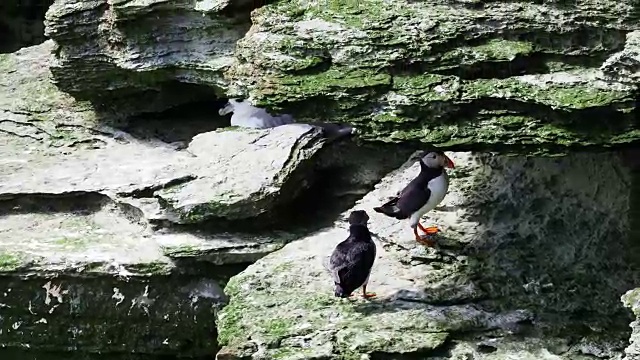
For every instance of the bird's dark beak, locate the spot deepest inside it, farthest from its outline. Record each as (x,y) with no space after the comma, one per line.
(448,162)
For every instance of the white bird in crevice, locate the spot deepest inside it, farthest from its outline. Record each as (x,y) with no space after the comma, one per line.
(249,116)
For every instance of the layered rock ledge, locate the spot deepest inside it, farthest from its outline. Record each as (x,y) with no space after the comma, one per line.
(531,262)
(111,216)
(104,227)
(509,76)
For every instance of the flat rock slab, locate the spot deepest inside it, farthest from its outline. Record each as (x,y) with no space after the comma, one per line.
(499,217)
(96,236)
(284,303)
(51,144)
(241,173)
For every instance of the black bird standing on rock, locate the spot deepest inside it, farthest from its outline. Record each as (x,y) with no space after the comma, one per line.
(422,194)
(351,261)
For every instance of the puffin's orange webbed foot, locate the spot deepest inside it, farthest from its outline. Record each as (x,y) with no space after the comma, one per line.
(431,230)
(367,295)
(424,240)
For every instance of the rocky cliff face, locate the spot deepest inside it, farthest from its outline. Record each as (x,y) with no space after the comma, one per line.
(531,264)
(465,73)
(126,202)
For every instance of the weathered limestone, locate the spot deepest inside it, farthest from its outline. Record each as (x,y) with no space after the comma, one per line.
(625,65)
(245,172)
(78,255)
(509,76)
(122,47)
(529,247)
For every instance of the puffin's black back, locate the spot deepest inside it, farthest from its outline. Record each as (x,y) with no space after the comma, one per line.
(353,259)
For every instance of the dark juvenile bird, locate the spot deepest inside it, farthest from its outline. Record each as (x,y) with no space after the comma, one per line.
(422,194)
(351,261)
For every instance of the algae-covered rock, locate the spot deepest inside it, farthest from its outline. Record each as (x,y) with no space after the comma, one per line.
(530,247)
(495,74)
(518,76)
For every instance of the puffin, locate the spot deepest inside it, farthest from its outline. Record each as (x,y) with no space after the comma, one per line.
(421,195)
(352,259)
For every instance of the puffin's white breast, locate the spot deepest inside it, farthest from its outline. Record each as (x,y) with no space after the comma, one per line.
(438,187)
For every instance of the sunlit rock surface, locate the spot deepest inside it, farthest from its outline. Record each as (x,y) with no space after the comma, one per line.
(77,203)
(111,220)
(530,249)
(631,300)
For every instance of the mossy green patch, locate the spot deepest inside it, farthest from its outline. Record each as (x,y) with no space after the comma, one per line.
(7,63)
(10,262)
(284,266)
(229,128)
(182,251)
(360,14)
(555,95)
(631,299)
(277,328)
(72,242)
(201,212)
(335,79)
(493,50)
(230,325)
(421,89)
(151,268)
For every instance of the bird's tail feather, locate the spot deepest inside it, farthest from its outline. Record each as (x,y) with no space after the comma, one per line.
(390,209)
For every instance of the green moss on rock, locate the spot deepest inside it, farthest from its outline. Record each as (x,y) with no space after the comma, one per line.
(571,95)
(310,86)
(493,50)
(418,72)
(9,262)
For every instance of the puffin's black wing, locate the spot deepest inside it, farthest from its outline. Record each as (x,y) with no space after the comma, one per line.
(339,259)
(356,265)
(410,200)
(413,199)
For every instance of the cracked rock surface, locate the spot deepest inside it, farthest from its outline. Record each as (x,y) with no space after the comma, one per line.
(516,76)
(520,268)
(80,202)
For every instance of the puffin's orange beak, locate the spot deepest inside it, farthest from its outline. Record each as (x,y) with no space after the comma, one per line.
(448,162)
